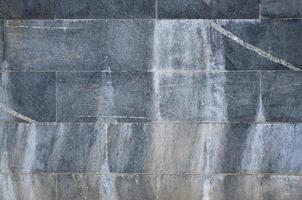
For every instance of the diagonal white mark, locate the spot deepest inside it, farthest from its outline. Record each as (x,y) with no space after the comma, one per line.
(14,113)
(260,52)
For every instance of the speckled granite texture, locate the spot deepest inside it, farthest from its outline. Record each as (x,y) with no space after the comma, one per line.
(150,100)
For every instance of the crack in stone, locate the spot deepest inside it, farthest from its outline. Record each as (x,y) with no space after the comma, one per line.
(16,114)
(260,52)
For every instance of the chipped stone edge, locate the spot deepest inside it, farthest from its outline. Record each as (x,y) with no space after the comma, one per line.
(260,52)
(16,114)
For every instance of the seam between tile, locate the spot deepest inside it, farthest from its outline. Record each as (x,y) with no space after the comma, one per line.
(56,98)
(260,52)
(156,9)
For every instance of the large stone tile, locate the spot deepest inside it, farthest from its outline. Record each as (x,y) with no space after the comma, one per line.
(281,8)
(232,187)
(79,45)
(218,96)
(30,94)
(234,148)
(283,44)
(106,9)
(26,9)
(27,187)
(78,187)
(185,45)
(221,9)
(88,97)
(180,187)
(52,148)
(281,96)
(129,187)
(278,187)
(155,148)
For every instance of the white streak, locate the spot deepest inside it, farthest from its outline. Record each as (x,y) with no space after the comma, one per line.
(14,113)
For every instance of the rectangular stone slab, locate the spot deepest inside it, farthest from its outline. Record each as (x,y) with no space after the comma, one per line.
(281,187)
(232,187)
(106,9)
(27,186)
(155,148)
(281,96)
(79,45)
(281,9)
(30,94)
(208,9)
(253,148)
(49,148)
(216,97)
(25,9)
(92,96)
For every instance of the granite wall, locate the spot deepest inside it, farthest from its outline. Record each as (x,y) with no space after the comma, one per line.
(150,99)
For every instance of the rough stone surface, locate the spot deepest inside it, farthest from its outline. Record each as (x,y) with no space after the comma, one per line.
(92,96)
(26,9)
(27,187)
(207,9)
(31,94)
(76,45)
(150,100)
(73,148)
(281,9)
(106,9)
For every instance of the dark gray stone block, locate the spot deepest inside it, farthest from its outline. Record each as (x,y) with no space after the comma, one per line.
(106,9)
(155,148)
(208,9)
(232,187)
(26,9)
(268,148)
(129,187)
(71,148)
(278,187)
(27,187)
(30,94)
(78,187)
(88,97)
(217,96)
(180,187)
(281,96)
(281,8)
(284,44)
(79,45)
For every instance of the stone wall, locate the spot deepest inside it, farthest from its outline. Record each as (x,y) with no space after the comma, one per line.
(150,100)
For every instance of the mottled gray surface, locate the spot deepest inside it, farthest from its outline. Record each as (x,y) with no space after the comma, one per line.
(78,187)
(26,9)
(27,187)
(180,187)
(280,187)
(270,148)
(129,187)
(207,9)
(51,148)
(31,94)
(92,96)
(232,187)
(281,96)
(219,96)
(155,148)
(122,104)
(281,8)
(280,38)
(76,45)
(106,9)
